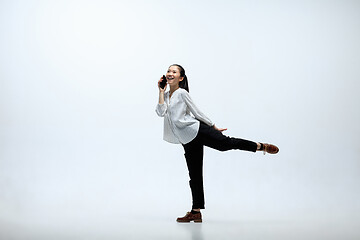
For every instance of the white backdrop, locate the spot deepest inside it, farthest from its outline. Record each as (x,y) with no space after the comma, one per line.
(80,142)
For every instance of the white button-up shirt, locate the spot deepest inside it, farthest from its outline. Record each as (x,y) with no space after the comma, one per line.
(179,125)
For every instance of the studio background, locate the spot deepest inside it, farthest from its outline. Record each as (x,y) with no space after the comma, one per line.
(81,146)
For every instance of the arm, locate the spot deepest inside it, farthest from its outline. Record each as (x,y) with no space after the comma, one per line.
(161,106)
(195,110)
(197,113)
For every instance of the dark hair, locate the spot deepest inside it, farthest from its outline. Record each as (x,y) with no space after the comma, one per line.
(184,83)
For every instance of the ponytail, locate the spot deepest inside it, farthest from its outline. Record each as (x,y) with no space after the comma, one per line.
(184,84)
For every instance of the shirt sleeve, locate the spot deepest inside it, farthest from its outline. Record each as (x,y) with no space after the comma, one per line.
(194,110)
(161,109)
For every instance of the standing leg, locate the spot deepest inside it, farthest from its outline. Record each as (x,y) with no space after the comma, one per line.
(194,152)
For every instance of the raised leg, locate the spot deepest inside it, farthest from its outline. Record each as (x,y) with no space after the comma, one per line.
(215,139)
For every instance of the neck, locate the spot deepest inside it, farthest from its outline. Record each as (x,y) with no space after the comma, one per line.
(173,89)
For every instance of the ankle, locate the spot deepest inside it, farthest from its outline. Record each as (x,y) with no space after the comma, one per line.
(260,146)
(195,211)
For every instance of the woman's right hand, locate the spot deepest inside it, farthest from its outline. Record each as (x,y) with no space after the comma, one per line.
(161,89)
(219,129)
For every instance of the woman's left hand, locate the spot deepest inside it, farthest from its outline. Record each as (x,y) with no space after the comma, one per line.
(220,129)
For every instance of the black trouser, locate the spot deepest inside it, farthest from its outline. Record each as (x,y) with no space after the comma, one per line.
(194,151)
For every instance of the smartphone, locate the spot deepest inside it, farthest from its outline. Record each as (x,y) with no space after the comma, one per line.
(163,82)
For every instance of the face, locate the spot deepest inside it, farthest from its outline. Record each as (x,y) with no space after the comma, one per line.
(173,76)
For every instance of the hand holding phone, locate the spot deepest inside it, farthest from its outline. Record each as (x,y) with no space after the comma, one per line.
(163,82)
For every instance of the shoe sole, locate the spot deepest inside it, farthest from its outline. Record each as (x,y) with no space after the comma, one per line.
(197,221)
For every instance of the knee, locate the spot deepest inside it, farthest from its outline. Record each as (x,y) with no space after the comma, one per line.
(195,180)
(225,145)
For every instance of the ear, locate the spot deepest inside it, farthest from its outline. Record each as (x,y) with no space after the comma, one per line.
(181,79)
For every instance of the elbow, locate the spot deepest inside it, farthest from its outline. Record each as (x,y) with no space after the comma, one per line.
(160,114)
(160,110)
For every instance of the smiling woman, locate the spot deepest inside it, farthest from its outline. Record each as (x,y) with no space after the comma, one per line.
(178,71)
(194,132)
(76,83)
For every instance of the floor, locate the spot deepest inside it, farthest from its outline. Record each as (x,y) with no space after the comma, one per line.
(157,228)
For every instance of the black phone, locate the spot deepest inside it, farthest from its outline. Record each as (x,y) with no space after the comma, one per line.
(163,82)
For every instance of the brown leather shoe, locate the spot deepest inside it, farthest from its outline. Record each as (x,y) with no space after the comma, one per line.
(269,148)
(190,217)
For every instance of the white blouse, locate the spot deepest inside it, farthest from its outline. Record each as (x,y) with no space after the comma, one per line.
(179,125)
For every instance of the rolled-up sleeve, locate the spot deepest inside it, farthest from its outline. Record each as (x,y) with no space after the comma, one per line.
(161,109)
(194,110)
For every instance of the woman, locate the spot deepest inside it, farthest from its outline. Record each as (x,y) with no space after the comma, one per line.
(193,132)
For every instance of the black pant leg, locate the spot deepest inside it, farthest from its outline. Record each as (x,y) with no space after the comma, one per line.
(215,139)
(194,152)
